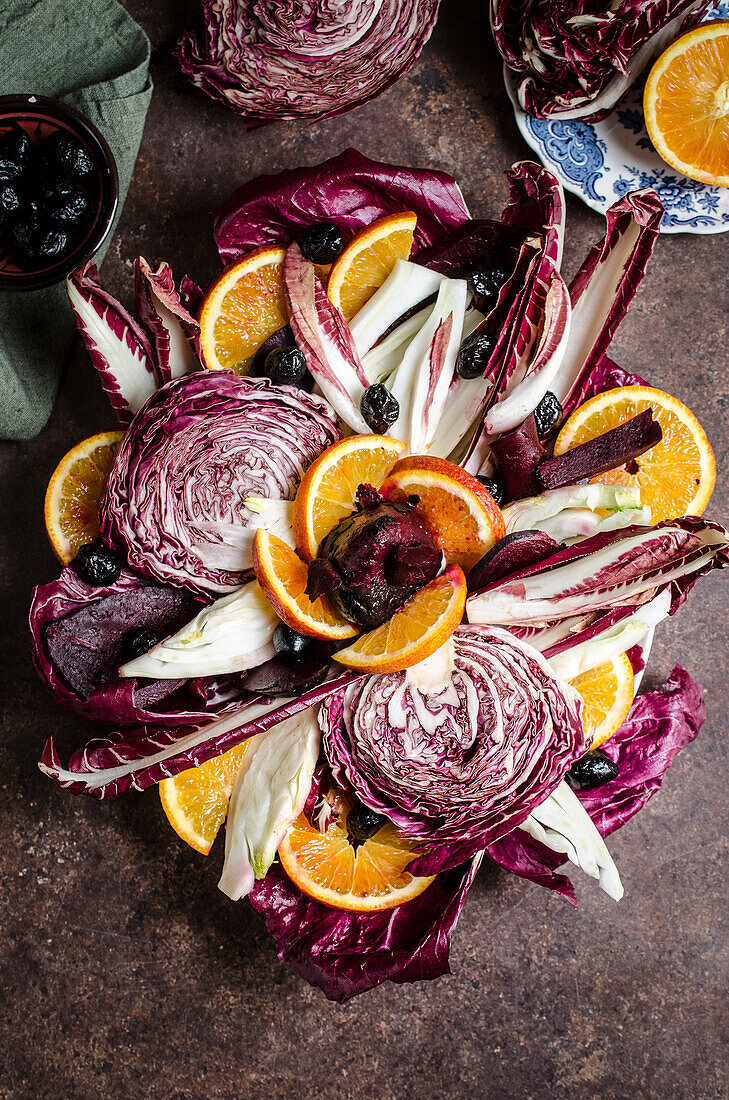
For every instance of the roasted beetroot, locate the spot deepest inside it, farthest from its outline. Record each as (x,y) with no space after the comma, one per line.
(374,560)
(287,674)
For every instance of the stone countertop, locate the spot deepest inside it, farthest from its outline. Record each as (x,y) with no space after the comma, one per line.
(125,972)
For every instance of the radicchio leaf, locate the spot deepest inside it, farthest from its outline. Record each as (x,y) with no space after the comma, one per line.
(536,205)
(173,330)
(119,350)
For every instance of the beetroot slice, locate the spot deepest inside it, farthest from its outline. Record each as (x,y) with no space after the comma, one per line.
(517,454)
(510,554)
(617,447)
(285,676)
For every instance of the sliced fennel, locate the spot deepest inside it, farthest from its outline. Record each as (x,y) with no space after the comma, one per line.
(274,516)
(381,360)
(232,634)
(406,286)
(269,794)
(571,513)
(563,824)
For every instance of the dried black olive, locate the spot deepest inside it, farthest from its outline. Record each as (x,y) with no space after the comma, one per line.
(494,486)
(9,201)
(486,282)
(379,408)
(15,146)
(289,643)
(285,366)
(67,205)
(474,354)
(138,642)
(547,415)
(9,169)
(67,155)
(96,565)
(46,243)
(322,243)
(591,770)
(363,823)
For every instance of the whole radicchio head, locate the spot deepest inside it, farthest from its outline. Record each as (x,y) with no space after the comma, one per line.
(374,560)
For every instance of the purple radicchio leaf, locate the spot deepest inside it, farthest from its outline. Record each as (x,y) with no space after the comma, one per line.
(120,351)
(536,204)
(173,330)
(659,725)
(349,190)
(303,61)
(347,953)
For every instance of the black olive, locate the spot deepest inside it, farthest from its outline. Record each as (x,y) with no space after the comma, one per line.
(591,770)
(138,642)
(363,823)
(474,354)
(66,205)
(379,408)
(66,154)
(285,366)
(16,146)
(547,415)
(9,201)
(486,282)
(9,169)
(96,565)
(322,243)
(494,486)
(289,643)
(21,234)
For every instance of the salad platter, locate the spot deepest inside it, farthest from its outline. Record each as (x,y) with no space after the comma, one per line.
(368,575)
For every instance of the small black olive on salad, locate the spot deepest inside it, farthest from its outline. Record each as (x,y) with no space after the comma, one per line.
(494,486)
(592,770)
(485,282)
(379,408)
(96,565)
(322,244)
(285,366)
(289,642)
(139,641)
(547,415)
(363,823)
(474,354)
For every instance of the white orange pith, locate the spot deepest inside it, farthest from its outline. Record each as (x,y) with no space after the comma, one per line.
(243,307)
(329,487)
(414,632)
(72,496)
(368,259)
(371,877)
(686,104)
(676,477)
(458,509)
(196,800)
(607,691)
(282,576)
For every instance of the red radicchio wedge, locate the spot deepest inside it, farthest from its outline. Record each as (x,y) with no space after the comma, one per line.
(119,350)
(609,570)
(536,204)
(90,652)
(348,953)
(607,375)
(605,452)
(174,499)
(659,725)
(323,335)
(460,767)
(603,289)
(299,60)
(172,328)
(144,756)
(349,190)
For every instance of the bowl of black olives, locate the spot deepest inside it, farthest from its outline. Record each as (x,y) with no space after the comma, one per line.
(59,191)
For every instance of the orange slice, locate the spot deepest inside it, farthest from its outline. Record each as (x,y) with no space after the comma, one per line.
(196,800)
(325,866)
(608,692)
(368,259)
(676,477)
(243,307)
(73,493)
(415,631)
(282,576)
(464,517)
(328,489)
(686,104)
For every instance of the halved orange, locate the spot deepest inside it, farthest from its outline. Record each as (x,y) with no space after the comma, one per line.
(326,867)
(196,800)
(328,488)
(460,511)
(415,631)
(72,496)
(608,692)
(243,307)
(282,576)
(676,477)
(368,259)
(686,104)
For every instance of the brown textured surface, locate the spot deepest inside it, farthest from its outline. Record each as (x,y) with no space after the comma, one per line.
(125,973)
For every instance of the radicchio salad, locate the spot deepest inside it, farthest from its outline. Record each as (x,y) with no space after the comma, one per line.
(372,554)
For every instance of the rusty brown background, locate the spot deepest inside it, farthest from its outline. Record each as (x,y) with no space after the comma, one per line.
(125,973)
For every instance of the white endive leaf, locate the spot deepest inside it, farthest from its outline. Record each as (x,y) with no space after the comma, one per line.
(269,794)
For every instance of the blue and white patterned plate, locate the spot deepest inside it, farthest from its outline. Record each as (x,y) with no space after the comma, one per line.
(601,161)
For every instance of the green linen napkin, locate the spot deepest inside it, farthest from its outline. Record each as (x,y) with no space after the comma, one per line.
(92,55)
